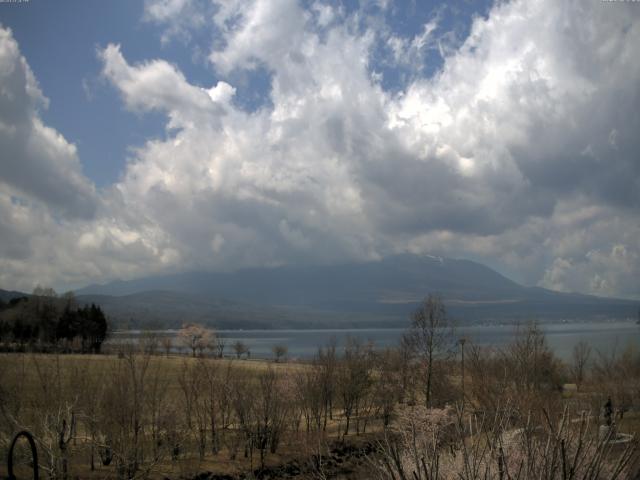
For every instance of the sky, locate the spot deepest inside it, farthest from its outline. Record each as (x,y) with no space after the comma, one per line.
(163,136)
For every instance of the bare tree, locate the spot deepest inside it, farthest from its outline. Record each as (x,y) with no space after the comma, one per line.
(167,344)
(202,406)
(88,382)
(407,372)
(431,338)
(617,373)
(244,407)
(122,416)
(187,383)
(326,361)
(388,382)
(221,395)
(214,389)
(353,380)
(272,407)
(489,379)
(308,391)
(580,360)
(220,345)
(149,343)
(240,348)
(57,407)
(435,444)
(280,352)
(156,402)
(532,362)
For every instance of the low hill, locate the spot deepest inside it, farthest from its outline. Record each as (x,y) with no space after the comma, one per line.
(7,295)
(159,309)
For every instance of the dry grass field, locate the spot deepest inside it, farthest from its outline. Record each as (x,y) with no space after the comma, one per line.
(38,389)
(136,415)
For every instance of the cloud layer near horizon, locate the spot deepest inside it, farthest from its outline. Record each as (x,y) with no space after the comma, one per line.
(521,151)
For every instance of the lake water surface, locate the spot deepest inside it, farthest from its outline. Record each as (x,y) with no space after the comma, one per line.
(604,337)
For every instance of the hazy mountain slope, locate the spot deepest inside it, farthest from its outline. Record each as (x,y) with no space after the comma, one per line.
(165,309)
(6,295)
(397,279)
(373,293)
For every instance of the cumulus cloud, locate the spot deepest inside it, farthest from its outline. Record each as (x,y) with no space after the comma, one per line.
(55,228)
(179,18)
(521,151)
(479,159)
(157,85)
(44,196)
(37,162)
(606,273)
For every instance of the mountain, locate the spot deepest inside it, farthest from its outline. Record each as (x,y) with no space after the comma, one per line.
(7,295)
(378,293)
(159,309)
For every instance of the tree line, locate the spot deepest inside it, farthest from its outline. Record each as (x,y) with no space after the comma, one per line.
(47,322)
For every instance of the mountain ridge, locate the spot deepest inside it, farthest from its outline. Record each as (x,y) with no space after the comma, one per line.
(377,292)
(381,293)
(409,268)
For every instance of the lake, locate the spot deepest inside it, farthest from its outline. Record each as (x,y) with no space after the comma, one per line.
(604,337)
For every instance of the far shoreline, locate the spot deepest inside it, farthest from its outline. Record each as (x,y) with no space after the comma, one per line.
(465,324)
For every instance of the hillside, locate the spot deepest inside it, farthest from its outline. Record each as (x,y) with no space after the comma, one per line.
(159,309)
(380,293)
(7,295)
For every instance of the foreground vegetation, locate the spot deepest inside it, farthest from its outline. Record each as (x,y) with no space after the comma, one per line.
(433,408)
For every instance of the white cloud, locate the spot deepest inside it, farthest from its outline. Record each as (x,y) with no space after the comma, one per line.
(410,52)
(606,273)
(157,85)
(37,162)
(55,228)
(269,31)
(326,13)
(178,17)
(507,155)
(163,10)
(221,93)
